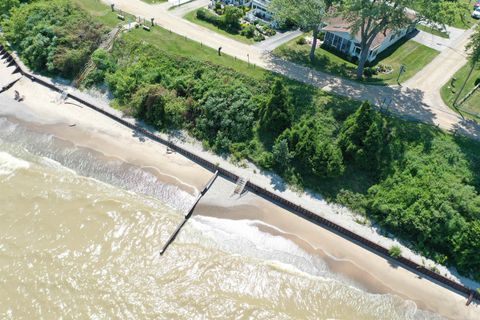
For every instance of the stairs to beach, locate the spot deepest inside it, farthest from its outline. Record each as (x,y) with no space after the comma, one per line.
(240,186)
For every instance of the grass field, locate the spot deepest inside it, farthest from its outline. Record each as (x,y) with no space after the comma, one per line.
(169,41)
(154,1)
(409,53)
(449,92)
(463,19)
(192,17)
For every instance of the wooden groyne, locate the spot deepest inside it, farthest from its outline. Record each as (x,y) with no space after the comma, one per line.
(294,208)
(189,214)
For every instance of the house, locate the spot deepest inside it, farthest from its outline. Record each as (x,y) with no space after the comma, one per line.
(260,9)
(338,36)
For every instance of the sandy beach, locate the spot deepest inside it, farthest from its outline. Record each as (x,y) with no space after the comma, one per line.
(368,270)
(43,111)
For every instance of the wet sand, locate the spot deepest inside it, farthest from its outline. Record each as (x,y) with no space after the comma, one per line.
(371,272)
(84,127)
(41,112)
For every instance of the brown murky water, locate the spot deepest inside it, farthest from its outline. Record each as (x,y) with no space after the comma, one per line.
(79,239)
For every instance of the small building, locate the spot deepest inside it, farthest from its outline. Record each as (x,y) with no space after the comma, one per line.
(338,36)
(260,9)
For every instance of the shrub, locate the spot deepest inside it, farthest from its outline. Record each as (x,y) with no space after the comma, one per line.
(232,17)
(369,72)
(206,15)
(259,37)
(53,36)
(248,31)
(395,251)
(301,41)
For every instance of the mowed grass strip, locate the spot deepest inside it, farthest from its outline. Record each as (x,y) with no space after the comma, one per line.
(451,89)
(192,17)
(169,41)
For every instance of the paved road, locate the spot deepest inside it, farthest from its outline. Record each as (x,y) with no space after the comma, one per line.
(419,99)
(277,40)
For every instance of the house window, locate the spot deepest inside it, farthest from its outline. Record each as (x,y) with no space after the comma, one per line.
(328,38)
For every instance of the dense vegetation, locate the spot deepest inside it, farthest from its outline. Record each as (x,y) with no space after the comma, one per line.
(414,180)
(52,36)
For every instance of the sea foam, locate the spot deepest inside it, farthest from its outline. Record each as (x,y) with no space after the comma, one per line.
(9,164)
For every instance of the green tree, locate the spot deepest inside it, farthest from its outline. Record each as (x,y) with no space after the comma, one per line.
(363,137)
(307,14)
(148,103)
(275,114)
(473,48)
(281,154)
(369,19)
(6,6)
(232,17)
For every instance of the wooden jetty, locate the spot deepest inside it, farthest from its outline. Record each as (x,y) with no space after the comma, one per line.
(189,214)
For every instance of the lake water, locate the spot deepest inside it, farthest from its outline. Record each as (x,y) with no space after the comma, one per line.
(80,237)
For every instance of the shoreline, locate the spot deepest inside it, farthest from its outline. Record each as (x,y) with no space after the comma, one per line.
(84,128)
(95,131)
(368,270)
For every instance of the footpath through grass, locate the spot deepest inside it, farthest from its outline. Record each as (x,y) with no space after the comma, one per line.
(470,108)
(192,17)
(413,55)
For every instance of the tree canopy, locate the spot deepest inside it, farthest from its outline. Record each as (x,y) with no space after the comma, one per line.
(307,15)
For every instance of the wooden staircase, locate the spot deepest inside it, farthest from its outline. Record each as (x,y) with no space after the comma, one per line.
(240,186)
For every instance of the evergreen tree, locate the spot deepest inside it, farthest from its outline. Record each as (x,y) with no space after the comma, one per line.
(276,112)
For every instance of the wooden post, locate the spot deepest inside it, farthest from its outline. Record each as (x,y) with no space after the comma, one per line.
(470,299)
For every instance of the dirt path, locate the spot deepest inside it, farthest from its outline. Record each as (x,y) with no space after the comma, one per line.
(418,100)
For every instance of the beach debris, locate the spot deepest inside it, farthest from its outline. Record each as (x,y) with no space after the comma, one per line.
(18,97)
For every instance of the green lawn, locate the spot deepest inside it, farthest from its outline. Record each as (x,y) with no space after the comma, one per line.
(433,31)
(169,41)
(462,20)
(192,17)
(410,53)
(450,91)
(154,1)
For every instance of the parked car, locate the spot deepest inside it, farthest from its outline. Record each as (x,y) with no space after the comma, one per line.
(476,13)
(476,5)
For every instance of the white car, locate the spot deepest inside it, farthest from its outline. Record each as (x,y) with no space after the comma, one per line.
(476,13)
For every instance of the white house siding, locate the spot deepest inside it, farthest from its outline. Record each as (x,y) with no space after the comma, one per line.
(351,48)
(341,41)
(261,8)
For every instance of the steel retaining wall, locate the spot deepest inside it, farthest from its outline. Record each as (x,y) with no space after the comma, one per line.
(298,210)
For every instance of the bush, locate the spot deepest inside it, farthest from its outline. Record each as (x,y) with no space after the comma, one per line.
(53,36)
(395,251)
(258,37)
(301,41)
(369,72)
(232,17)
(206,15)
(248,31)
